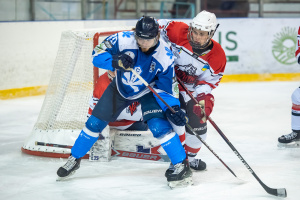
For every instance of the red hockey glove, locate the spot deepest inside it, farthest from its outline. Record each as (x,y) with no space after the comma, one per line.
(204,107)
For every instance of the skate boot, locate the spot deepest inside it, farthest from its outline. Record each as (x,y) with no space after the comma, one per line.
(291,140)
(170,170)
(69,168)
(181,176)
(198,165)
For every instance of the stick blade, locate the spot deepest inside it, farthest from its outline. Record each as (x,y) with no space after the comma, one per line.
(281,192)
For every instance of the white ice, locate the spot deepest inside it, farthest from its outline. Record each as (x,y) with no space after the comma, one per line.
(252,116)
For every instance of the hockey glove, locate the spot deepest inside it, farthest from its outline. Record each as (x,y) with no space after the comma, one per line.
(122,62)
(204,107)
(178,118)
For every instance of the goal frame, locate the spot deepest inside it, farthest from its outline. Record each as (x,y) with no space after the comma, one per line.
(65,153)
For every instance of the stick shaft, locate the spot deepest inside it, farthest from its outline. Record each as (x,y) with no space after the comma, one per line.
(267,189)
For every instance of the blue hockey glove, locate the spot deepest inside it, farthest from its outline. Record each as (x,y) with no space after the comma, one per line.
(178,118)
(122,62)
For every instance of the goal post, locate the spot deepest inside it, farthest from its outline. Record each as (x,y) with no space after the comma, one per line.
(65,107)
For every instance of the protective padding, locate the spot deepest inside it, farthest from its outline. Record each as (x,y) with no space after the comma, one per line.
(174,149)
(159,127)
(95,125)
(83,144)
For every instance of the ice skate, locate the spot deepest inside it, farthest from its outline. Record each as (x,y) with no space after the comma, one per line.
(181,176)
(198,165)
(170,170)
(68,169)
(291,140)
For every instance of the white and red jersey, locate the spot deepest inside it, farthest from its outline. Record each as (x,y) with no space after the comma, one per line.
(127,117)
(296,93)
(201,74)
(297,53)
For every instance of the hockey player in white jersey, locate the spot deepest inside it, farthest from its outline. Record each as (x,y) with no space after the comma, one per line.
(293,139)
(200,64)
(141,50)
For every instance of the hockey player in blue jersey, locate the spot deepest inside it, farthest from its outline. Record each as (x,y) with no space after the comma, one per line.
(143,51)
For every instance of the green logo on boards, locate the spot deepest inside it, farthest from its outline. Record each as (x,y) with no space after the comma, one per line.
(284,46)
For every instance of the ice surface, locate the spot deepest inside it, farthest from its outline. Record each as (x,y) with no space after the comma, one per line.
(252,115)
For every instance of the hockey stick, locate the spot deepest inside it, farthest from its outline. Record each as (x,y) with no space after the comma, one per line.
(172,110)
(281,192)
(119,153)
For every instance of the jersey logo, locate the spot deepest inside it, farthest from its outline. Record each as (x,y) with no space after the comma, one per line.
(161,26)
(132,80)
(133,108)
(169,52)
(152,67)
(179,50)
(190,69)
(127,34)
(186,73)
(205,67)
(99,49)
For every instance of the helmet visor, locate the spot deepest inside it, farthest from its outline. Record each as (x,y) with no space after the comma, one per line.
(146,43)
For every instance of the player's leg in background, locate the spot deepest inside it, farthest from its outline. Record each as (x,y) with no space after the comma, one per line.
(192,143)
(295,120)
(296,111)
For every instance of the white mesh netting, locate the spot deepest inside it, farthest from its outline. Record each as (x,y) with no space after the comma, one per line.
(65,106)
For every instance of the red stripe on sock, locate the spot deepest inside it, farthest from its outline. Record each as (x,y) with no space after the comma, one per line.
(296,107)
(182,138)
(192,150)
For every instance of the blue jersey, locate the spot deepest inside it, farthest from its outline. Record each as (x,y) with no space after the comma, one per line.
(156,68)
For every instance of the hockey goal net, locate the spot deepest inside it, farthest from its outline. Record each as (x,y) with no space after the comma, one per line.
(65,107)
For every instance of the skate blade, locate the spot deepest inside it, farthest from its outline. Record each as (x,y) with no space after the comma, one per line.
(66,177)
(182,183)
(295,144)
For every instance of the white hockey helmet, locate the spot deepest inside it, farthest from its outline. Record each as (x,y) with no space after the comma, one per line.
(204,21)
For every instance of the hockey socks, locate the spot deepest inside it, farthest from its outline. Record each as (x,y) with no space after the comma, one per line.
(88,136)
(83,143)
(173,147)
